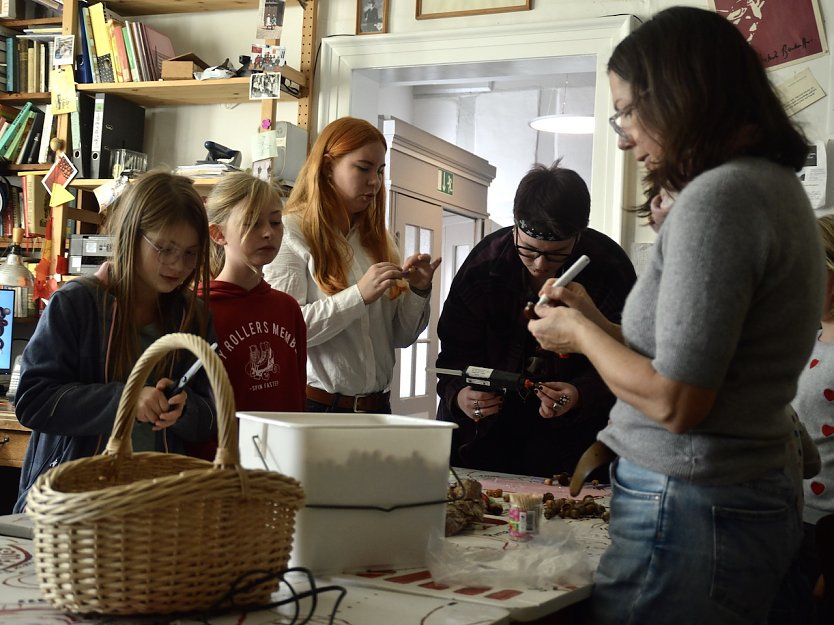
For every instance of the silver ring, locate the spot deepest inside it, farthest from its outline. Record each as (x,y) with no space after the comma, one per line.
(556,405)
(478,414)
(475,403)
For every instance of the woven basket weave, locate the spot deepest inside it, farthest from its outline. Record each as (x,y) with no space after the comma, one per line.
(155,533)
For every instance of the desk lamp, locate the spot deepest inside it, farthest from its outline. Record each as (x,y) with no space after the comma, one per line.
(15,275)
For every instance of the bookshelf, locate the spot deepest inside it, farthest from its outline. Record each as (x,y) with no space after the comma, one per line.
(175,93)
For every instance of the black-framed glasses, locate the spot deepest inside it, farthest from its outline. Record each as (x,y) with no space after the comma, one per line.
(531,253)
(173,255)
(614,120)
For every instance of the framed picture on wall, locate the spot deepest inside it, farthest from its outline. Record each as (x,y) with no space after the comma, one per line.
(371,17)
(431,9)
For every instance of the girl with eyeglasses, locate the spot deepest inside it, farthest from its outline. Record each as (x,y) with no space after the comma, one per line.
(95,327)
(707,492)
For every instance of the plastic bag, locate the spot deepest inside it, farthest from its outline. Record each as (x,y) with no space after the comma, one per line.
(551,557)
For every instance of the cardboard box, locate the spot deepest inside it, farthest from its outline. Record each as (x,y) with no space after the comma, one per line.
(391,471)
(182,67)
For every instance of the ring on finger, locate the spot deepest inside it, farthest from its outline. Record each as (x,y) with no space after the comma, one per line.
(478,414)
(475,403)
(561,402)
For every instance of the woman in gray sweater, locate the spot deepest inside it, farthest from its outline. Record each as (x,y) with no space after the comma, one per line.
(706,511)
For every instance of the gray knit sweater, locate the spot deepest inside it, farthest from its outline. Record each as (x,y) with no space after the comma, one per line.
(730,301)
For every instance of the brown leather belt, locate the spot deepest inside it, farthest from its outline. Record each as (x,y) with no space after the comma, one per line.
(373,402)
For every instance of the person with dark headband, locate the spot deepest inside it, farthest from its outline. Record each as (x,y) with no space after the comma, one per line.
(543,430)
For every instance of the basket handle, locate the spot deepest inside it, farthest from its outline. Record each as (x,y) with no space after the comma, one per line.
(227,449)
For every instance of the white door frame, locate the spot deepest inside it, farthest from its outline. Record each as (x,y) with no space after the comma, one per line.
(343,92)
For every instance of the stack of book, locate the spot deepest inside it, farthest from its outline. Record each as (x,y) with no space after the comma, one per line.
(26,59)
(24,134)
(114,49)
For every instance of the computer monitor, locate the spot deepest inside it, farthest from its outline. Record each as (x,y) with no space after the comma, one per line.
(6,330)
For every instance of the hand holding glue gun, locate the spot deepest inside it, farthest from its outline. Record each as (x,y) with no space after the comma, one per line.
(176,389)
(556,328)
(566,278)
(563,280)
(162,405)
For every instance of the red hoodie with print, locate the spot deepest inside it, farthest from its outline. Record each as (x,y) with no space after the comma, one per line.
(262,341)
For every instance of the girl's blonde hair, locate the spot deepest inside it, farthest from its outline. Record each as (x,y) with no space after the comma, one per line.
(240,191)
(325,222)
(826,225)
(155,202)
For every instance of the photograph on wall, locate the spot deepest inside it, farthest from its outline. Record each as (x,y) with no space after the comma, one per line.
(63,50)
(432,9)
(271,19)
(267,58)
(371,17)
(62,172)
(782,33)
(265,86)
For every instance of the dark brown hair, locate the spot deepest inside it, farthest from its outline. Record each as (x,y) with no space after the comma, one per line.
(701,91)
(553,199)
(156,201)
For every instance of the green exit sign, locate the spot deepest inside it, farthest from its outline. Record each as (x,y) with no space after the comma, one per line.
(445,182)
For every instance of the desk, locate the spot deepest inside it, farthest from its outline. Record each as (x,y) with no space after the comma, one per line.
(524,604)
(21,604)
(403,596)
(13,437)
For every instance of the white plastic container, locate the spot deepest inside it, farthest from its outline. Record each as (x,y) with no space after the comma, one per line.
(365,460)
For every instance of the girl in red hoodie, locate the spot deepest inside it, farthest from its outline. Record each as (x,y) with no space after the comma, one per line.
(262,337)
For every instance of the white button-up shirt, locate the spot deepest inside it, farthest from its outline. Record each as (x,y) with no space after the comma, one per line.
(350,345)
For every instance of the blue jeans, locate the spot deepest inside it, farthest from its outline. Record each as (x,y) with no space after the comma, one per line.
(685,553)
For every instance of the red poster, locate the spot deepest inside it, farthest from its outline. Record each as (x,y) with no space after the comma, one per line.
(781,31)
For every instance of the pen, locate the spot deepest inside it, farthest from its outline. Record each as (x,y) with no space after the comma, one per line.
(567,277)
(183,381)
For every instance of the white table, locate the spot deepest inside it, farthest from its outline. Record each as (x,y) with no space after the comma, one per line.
(21,603)
(524,604)
(374,598)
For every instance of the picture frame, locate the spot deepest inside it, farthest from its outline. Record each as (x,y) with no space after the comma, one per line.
(371,17)
(432,9)
(265,86)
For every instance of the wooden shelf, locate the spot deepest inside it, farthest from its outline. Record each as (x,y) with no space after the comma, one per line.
(203,185)
(127,8)
(40,97)
(178,92)
(12,167)
(35,21)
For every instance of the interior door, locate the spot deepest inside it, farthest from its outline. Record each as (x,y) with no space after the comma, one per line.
(418,227)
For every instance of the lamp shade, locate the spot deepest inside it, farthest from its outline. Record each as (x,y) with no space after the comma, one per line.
(14,275)
(564,124)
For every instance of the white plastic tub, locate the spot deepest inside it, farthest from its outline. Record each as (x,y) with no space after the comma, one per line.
(366,460)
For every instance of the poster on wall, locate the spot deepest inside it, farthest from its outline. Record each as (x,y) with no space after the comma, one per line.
(782,33)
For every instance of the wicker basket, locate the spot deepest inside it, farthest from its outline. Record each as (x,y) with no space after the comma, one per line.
(155,533)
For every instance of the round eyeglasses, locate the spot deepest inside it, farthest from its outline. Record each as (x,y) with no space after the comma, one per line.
(614,120)
(173,255)
(531,253)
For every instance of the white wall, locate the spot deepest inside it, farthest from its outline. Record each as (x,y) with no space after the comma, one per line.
(176,135)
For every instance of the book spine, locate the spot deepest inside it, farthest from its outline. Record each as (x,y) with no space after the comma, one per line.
(46,134)
(90,43)
(10,64)
(13,127)
(16,149)
(131,57)
(115,57)
(102,39)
